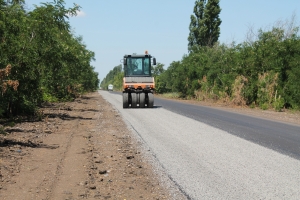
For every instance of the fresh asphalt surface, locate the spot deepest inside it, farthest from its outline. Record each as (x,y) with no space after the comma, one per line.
(281,137)
(214,154)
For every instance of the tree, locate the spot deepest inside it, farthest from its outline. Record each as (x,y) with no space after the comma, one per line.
(205,24)
(115,77)
(157,70)
(12,2)
(41,60)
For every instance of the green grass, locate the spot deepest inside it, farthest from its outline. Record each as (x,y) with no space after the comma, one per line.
(173,95)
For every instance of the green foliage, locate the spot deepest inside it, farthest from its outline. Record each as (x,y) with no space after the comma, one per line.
(47,97)
(197,25)
(47,62)
(157,70)
(11,124)
(267,84)
(262,73)
(172,95)
(238,89)
(118,81)
(264,106)
(292,82)
(114,77)
(252,105)
(278,103)
(2,130)
(205,24)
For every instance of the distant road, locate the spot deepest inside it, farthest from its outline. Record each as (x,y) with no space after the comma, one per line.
(214,154)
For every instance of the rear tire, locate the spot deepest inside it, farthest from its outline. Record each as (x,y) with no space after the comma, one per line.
(133,100)
(142,100)
(125,100)
(150,100)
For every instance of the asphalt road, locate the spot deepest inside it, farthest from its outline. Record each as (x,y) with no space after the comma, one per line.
(213,154)
(281,137)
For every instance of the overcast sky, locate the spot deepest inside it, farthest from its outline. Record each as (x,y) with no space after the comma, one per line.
(113,28)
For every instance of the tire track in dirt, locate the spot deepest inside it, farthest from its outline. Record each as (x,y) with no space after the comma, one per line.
(61,165)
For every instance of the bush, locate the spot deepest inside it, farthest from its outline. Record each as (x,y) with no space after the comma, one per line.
(278,103)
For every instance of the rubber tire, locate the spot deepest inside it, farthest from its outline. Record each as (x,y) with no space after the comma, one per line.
(125,100)
(133,100)
(142,100)
(150,100)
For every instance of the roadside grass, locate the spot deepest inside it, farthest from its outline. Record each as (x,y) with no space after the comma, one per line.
(172,95)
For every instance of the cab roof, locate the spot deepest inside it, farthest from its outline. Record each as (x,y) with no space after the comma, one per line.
(138,56)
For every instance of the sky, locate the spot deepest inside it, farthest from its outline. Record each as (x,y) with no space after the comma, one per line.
(113,28)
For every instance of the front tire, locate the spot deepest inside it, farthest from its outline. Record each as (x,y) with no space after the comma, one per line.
(133,100)
(125,100)
(150,100)
(142,100)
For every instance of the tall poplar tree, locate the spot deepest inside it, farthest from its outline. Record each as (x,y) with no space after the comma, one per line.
(205,24)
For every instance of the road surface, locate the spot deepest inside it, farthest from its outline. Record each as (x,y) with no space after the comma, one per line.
(214,154)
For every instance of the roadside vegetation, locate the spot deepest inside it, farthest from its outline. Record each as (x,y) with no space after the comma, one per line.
(41,58)
(114,77)
(263,71)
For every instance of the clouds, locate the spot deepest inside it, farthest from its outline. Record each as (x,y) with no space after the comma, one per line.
(80,13)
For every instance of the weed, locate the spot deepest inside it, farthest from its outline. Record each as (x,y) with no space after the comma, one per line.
(173,95)
(264,106)
(2,130)
(252,105)
(11,124)
(267,93)
(237,90)
(39,114)
(278,103)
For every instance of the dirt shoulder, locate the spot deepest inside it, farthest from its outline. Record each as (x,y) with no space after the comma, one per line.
(80,150)
(83,150)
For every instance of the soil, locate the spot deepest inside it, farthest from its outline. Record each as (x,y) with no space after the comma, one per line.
(84,150)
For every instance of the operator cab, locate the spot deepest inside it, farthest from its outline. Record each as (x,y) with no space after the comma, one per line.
(138,65)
